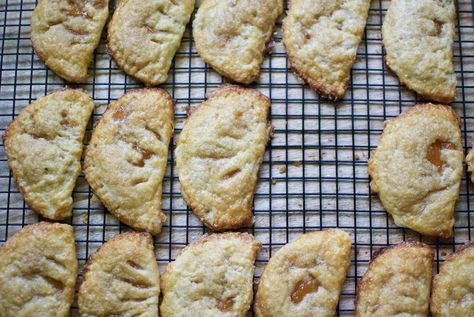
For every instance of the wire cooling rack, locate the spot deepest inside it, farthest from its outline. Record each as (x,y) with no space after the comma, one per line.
(314,174)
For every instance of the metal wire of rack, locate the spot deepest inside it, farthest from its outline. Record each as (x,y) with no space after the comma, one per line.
(314,174)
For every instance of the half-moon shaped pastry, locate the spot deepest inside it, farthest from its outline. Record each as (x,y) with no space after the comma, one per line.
(321,38)
(38,269)
(305,277)
(211,277)
(125,161)
(65,34)
(231,35)
(418,36)
(121,279)
(219,153)
(453,287)
(44,147)
(417,168)
(144,36)
(397,282)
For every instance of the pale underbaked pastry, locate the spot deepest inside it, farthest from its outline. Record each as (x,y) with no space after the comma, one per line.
(453,287)
(417,168)
(65,34)
(231,35)
(219,153)
(125,161)
(211,277)
(44,147)
(397,282)
(38,268)
(305,277)
(144,35)
(121,279)
(321,38)
(418,36)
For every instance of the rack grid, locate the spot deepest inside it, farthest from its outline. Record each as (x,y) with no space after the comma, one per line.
(314,175)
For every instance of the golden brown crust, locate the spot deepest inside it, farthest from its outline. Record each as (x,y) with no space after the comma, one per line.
(44,147)
(417,168)
(453,287)
(219,153)
(126,159)
(397,282)
(231,35)
(38,268)
(143,36)
(211,277)
(418,36)
(321,39)
(121,278)
(65,34)
(305,277)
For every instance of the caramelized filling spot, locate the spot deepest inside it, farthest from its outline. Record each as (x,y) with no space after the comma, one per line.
(438,26)
(119,114)
(434,153)
(145,155)
(225,304)
(77,8)
(302,289)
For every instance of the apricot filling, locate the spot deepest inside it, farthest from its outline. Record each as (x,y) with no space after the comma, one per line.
(434,152)
(302,289)
(225,304)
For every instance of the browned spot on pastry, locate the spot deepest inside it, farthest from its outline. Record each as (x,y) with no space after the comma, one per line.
(145,155)
(302,289)
(225,304)
(98,4)
(438,26)
(76,9)
(434,152)
(119,114)
(306,34)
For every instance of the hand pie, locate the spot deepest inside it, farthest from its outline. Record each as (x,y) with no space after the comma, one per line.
(397,282)
(144,36)
(44,147)
(417,167)
(125,161)
(452,294)
(321,38)
(121,279)
(219,153)
(231,35)
(418,36)
(65,34)
(211,277)
(305,277)
(38,269)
